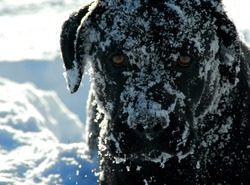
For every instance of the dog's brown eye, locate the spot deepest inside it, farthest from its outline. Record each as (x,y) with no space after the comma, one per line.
(184,60)
(118,59)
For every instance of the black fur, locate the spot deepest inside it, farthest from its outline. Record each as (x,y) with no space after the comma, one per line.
(153,119)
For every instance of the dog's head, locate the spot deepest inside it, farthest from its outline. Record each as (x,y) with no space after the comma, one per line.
(157,66)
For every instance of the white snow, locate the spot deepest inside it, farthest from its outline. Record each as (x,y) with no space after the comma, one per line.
(41,140)
(31,29)
(71,77)
(32,110)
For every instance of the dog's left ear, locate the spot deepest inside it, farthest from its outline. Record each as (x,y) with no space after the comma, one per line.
(74,67)
(229,43)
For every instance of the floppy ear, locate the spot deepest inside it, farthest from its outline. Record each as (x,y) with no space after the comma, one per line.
(73,68)
(229,44)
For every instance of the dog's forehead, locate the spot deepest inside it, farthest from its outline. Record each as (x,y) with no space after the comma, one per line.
(166,24)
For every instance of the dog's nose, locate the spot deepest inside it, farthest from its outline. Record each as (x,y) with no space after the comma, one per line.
(171,135)
(154,130)
(147,128)
(149,122)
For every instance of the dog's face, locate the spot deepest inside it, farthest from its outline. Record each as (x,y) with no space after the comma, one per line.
(149,74)
(157,69)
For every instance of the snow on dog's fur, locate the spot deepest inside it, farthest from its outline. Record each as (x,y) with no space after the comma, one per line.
(170,94)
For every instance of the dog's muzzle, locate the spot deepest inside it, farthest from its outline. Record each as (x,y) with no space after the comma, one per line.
(151,136)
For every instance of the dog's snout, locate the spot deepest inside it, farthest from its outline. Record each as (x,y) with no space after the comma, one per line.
(147,124)
(149,120)
(155,129)
(167,134)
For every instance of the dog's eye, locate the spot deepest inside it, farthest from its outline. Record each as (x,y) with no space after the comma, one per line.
(118,59)
(184,60)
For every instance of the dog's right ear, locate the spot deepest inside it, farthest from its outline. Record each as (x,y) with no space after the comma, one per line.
(73,68)
(229,43)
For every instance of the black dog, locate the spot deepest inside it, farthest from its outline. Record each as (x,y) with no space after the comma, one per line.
(170,101)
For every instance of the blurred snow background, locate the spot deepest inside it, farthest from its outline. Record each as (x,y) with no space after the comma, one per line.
(42,130)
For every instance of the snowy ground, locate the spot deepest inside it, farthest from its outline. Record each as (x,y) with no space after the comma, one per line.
(41,124)
(41,141)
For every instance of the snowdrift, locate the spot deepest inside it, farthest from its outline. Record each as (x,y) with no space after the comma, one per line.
(41,141)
